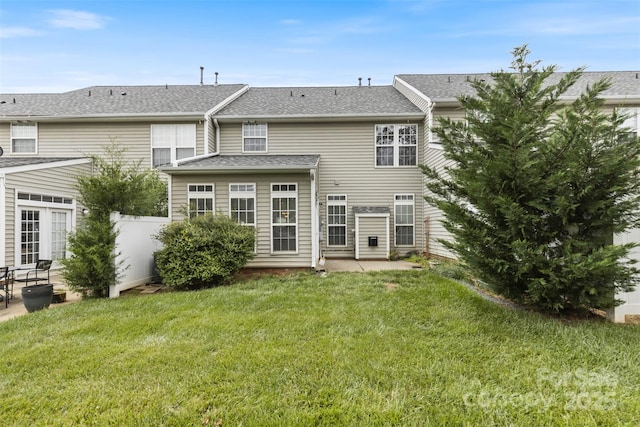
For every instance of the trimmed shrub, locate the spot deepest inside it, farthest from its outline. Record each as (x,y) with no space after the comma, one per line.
(204,251)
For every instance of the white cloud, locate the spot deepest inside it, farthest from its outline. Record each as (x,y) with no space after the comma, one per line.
(15,32)
(76,19)
(290,22)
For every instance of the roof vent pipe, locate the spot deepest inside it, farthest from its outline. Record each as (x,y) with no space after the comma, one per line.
(89,93)
(201,76)
(14,100)
(449,79)
(369,81)
(216,73)
(359,81)
(110,91)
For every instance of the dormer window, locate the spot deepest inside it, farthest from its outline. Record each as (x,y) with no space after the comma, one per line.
(254,137)
(24,137)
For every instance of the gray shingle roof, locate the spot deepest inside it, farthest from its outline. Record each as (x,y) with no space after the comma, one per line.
(9,162)
(449,86)
(108,101)
(250,162)
(342,101)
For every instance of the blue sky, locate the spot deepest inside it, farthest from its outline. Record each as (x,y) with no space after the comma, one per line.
(60,45)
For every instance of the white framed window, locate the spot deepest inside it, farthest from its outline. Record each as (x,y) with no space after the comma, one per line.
(242,203)
(200,198)
(24,138)
(337,220)
(242,206)
(254,137)
(403,209)
(396,145)
(632,121)
(284,217)
(172,142)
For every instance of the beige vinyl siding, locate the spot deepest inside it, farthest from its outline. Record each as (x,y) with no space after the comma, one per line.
(347,166)
(373,226)
(56,181)
(264,257)
(61,139)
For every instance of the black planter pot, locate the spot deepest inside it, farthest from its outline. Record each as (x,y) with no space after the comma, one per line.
(37,297)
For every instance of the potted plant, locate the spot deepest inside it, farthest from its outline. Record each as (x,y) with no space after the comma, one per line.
(36,297)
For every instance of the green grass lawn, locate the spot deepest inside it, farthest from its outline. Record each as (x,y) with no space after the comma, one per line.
(388,348)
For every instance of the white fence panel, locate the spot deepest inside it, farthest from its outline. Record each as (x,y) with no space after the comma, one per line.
(135,246)
(631,305)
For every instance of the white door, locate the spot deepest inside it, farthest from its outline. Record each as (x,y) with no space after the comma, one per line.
(43,234)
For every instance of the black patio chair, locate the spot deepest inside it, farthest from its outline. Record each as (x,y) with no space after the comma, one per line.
(41,266)
(6,285)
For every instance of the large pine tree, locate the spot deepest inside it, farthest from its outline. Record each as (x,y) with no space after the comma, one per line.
(537,186)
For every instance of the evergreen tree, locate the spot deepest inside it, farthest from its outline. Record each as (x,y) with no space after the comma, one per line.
(115,186)
(537,186)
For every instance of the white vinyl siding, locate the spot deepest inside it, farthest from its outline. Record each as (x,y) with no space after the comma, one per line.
(172,142)
(404,219)
(396,145)
(254,138)
(336,220)
(24,138)
(284,218)
(201,199)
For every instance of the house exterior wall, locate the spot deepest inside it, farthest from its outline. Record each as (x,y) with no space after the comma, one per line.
(78,139)
(60,182)
(347,166)
(264,255)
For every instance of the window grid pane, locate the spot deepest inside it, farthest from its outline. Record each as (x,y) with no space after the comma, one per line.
(404,219)
(284,217)
(396,145)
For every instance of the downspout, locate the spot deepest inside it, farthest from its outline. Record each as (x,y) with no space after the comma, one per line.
(217,126)
(3,219)
(315,255)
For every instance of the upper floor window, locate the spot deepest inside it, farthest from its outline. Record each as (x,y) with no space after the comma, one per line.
(631,123)
(172,142)
(396,145)
(254,137)
(24,137)
(201,199)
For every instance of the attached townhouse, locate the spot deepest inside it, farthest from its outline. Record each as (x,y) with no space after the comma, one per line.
(436,95)
(318,171)
(45,141)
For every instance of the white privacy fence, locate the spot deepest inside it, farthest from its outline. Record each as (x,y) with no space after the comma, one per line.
(135,246)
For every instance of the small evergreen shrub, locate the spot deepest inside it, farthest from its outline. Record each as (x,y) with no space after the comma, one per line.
(204,251)
(91,268)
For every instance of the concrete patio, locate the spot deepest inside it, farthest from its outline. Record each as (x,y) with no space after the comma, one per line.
(16,307)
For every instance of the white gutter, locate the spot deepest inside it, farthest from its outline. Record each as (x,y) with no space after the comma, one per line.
(208,115)
(217,126)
